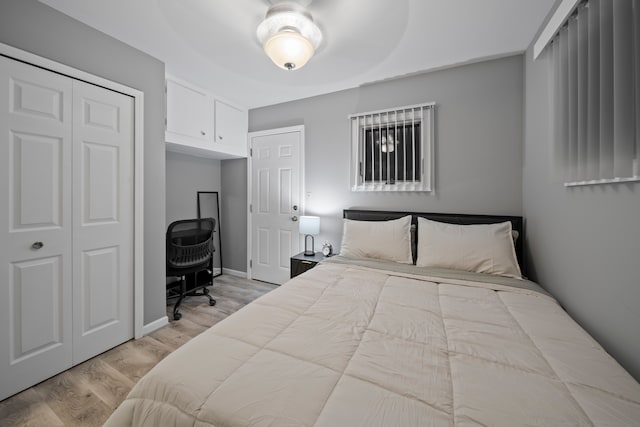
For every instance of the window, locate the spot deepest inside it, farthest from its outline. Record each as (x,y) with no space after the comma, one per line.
(595,57)
(392,149)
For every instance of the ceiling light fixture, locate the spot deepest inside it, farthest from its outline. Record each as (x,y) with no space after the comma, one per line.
(288,35)
(388,144)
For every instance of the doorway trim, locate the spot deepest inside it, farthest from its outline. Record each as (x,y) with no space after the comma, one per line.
(138,164)
(250,136)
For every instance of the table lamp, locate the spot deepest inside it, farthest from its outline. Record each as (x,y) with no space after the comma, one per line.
(309,226)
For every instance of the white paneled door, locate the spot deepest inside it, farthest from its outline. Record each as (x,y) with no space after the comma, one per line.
(35,225)
(102,219)
(276,172)
(66,232)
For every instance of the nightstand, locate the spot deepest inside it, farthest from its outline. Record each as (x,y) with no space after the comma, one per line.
(301,263)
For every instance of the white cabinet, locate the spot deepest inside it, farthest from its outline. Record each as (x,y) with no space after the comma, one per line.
(230,125)
(201,125)
(188,111)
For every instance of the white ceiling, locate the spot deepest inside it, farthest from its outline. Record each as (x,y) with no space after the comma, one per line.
(213,42)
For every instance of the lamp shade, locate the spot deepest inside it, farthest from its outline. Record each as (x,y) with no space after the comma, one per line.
(310,225)
(288,35)
(288,49)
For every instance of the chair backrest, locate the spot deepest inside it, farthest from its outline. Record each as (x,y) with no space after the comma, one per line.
(190,243)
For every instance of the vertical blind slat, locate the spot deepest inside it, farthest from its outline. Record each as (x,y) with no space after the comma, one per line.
(636,72)
(395,145)
(364,147)
(563,117)
(425,156)
(370,152)
(606,89)
(573,98)
(582,95)
(404,145)
(354,129)
(558,126)
(379,147)
(362,144)
(623,93)
(413,141)
(593,114)
(390,155)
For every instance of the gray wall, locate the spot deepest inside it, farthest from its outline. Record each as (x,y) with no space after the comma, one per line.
(186,175)
(478,147)
(37,28)
(233,214)
(584,243)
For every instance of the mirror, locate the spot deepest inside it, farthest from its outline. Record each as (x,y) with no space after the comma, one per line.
(209,207)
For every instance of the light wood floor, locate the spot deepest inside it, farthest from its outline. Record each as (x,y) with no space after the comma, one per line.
(87,394)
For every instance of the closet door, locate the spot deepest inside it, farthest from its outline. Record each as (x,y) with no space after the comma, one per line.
(35,225)
(103,220)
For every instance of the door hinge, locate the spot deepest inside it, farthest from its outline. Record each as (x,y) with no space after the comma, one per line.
(250,208)
(250,152)
(250,263)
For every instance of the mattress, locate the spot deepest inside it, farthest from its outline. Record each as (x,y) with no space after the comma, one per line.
(353,343)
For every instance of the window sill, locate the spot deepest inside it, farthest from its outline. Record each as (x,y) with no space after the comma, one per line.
(602,181)
(392,187)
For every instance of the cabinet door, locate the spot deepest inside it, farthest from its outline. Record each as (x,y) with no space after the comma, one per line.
(188,111)
(231,126)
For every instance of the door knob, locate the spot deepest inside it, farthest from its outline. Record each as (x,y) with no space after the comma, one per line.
(37,245)
(294,218)
(295,207)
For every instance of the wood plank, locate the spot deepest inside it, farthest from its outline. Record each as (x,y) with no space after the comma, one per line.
(136,357)
(87,394)
(28,409)
(108,384)
(72,401)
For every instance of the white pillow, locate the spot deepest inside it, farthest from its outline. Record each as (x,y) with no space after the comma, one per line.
(481,248)
(388,240)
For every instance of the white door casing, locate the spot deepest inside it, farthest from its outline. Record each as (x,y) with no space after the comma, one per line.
(66,258)
(275,193)
(35,225)
(103,220)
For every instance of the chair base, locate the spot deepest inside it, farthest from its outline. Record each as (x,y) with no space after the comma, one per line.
(181,293)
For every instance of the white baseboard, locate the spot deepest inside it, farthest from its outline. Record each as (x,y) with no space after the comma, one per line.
(155,325)
(159,323)
(236,273)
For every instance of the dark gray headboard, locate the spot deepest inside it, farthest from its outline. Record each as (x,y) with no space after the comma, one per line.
(517,223)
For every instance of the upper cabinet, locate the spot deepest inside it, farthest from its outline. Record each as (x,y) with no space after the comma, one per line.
(188,111)
(201,125)
(230,123)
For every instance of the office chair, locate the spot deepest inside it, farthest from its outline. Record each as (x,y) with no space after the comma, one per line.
(190,252)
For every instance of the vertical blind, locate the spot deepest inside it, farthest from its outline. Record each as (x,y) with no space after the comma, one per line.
(595,61)
(391,149)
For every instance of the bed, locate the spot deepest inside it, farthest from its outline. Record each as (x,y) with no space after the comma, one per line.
(385,336)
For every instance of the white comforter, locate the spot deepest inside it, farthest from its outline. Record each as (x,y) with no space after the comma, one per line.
(345,345)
